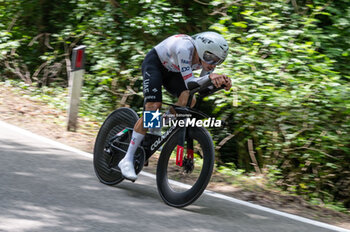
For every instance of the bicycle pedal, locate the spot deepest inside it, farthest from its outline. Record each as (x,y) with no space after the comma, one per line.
(133,181)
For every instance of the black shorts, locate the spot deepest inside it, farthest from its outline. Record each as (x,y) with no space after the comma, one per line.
(155,75)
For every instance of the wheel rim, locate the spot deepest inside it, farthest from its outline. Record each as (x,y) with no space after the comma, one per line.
(118,120)
(181,179)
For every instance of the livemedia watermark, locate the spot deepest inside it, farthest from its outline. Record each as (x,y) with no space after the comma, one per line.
(153,119)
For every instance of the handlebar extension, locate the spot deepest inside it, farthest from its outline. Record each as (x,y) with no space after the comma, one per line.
(203,86)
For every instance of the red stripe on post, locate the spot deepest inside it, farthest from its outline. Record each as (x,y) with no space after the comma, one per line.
(79,59)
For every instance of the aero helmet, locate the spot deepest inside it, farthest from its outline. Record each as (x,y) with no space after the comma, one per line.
(211,47)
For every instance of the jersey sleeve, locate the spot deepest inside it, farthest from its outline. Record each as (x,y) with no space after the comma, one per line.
(204,73)
(184,56)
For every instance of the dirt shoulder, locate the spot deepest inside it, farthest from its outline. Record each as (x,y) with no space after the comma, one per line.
(38,117)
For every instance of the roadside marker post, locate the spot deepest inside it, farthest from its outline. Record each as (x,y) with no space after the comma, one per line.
(75,85)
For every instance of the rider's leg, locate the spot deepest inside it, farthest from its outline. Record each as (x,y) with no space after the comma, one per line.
(182,101)
(152,72)
(126,165)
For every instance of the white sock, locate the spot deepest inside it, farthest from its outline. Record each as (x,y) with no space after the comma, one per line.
(136,139)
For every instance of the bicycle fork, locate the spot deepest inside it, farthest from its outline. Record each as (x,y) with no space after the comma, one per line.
(181,144)
(180,148)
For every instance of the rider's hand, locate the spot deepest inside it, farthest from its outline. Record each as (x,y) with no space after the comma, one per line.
(218,80)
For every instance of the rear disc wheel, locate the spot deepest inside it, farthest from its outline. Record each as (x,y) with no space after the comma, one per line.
(104,163)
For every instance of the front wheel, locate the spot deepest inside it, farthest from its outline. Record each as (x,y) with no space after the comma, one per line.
(181,186)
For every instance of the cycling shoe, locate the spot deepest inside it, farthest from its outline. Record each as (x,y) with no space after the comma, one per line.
(127,169)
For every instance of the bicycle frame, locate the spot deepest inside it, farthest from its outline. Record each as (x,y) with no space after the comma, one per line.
(111,146)
(152,143)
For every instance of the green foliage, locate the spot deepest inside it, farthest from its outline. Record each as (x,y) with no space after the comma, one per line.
(230,170)
(289,97)
(288,60)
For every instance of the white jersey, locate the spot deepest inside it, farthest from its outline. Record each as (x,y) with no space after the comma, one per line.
(176,53)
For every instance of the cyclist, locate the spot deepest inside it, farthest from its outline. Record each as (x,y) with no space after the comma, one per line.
(170,63)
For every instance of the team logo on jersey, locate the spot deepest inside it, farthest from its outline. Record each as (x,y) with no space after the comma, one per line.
(184,69)
(185,61)
(146,85)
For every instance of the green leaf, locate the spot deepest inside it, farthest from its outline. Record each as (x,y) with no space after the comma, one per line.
(240,24)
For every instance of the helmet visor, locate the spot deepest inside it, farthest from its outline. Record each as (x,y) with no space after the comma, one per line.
(211,58)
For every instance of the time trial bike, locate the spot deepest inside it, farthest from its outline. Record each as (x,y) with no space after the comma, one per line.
(186,159)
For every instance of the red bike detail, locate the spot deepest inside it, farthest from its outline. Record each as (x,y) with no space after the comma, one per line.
(179,155)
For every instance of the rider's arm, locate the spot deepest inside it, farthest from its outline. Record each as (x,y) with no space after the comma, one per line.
(204,73)
(184,56)
(186,71)
(217,79)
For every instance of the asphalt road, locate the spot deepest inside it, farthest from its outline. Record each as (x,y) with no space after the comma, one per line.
(46,188)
